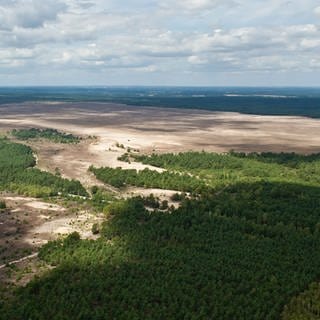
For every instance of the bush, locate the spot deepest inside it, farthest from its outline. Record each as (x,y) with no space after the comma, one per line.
(164,205)
(95,228)
(94,189)
(2,205)
(176,197)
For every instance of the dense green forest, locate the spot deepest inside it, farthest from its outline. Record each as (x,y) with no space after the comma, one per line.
(225,169)
(17,174)
(230,160)
(50,134)
(244,247)
(148,179)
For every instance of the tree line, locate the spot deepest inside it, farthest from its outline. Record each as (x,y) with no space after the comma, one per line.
(147,178)
(18,174)
(47,133)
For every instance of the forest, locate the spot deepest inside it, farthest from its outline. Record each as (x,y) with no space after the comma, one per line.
(148,179)
(285,101)
(18,174)
(226,169)
(47,133)
(244,244)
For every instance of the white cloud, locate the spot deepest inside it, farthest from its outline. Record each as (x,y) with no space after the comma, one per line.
(197,60)
(165,37)
(191,5)
(29,13)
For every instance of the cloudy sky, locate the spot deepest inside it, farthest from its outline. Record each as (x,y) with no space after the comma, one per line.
(168,42)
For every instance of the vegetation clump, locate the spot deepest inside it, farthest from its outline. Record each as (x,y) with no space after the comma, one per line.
(95,229)
(2,205)
(125,157)
(151,201)
(49,134)
(121,146)
(178,197)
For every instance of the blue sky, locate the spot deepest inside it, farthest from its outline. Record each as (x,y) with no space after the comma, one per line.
(139,42)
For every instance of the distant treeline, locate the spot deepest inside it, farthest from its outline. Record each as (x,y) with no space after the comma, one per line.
(263,101)
(49,134)
(207,160)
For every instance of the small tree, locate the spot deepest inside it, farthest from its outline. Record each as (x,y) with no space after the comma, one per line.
(164,205)
(95,228)
(72,238)
(94,189)
(2,205)
(176,197)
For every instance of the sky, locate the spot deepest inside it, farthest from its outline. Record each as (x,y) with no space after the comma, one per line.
(168,42)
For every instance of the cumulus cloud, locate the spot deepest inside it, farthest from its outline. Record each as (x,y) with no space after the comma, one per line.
(29,13)
(193,5)
(98,36)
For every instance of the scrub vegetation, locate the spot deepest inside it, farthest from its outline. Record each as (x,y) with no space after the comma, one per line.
(49,134)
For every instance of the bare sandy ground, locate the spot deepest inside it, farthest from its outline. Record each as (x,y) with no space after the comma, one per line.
(161,194)
(34,203)
(29,223)
(151,130)
(164,129)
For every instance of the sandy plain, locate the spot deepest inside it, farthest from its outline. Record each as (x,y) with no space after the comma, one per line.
(167,130)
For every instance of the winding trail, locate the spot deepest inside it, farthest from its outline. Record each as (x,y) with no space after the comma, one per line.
(19,260)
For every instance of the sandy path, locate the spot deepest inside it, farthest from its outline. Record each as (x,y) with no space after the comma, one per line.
(34,203)
(31,256)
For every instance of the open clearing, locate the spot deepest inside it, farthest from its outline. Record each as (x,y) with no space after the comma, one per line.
(28,223)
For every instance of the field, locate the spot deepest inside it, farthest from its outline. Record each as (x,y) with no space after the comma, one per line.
(224,235)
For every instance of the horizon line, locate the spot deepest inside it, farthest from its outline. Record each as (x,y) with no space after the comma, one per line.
(157,86)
